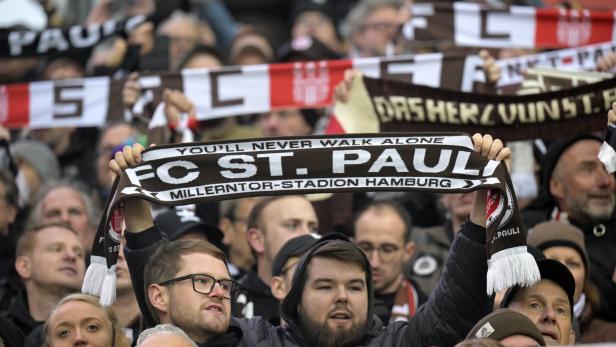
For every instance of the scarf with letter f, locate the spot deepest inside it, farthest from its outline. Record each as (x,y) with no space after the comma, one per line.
(187,173)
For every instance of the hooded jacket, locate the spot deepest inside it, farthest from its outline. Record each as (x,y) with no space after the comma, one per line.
(456,304)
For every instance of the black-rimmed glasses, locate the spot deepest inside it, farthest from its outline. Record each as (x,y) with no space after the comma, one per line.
(204,284)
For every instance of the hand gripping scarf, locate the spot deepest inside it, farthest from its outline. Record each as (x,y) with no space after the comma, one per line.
(187,173)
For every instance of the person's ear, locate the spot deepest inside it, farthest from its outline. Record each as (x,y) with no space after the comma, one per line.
(23,265)
(279,288)
(256,240)
(409,250)
(557,189)
(159,298)
(226,225)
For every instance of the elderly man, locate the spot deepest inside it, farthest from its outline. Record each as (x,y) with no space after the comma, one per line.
(66,202)
(548,303)
(164,335)
(373,25)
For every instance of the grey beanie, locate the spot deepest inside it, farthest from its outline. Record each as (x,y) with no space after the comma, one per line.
(39,156)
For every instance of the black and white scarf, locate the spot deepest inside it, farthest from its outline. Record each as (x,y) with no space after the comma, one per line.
(181,174)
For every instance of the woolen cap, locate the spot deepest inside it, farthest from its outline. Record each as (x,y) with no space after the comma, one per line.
(39,156)
(556,233)
(503,323)
(553,154)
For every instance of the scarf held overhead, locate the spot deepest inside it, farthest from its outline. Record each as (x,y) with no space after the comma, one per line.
(435,162)
(234,90)
(378,105)
(477,25)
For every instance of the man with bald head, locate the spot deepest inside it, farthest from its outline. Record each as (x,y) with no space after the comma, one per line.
(576,188)
(164,335)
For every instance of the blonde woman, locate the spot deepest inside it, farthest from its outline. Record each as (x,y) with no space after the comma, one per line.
(80,320)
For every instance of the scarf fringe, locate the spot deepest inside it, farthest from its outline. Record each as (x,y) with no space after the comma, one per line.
(108,290)
(95,276)
(510,267)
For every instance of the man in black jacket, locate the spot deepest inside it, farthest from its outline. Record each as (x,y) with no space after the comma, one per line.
(50,263)
(332,303)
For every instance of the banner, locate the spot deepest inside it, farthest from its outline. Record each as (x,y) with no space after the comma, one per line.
(475,25)
(236,90)
(20,43)
(377,105)
(438,162)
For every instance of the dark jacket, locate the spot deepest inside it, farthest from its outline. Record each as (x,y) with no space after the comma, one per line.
(456,304)
(20,316)
(10,283)
(431,249)
(255,299)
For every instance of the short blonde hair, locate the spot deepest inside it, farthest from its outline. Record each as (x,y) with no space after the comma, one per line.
(119,340)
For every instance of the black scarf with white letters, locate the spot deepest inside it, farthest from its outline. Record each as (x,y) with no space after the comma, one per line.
(187,173)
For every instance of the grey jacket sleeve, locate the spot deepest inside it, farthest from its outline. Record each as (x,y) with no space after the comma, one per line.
(459,299)
(138,249)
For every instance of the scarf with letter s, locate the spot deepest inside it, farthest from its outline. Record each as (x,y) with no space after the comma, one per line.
(187,173)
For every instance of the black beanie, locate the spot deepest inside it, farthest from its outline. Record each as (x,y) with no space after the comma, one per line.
(553,154)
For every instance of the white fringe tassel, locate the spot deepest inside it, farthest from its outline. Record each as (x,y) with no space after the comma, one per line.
(510,267)
(108,292)
(95,276)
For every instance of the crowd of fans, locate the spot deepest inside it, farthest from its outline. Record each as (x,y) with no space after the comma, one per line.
(344,269)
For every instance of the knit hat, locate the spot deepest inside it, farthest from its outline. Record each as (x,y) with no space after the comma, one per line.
(553,154)
(550,270)
(296,246)
(39,156)
(250,40)
(555,233)
(176,222)
(503,323)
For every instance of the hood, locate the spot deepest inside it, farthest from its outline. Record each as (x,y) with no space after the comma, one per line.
(293,299)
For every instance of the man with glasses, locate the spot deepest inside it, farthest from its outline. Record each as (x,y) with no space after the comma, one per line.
(382,231)
(330,302)
(373,26)
(188,285)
